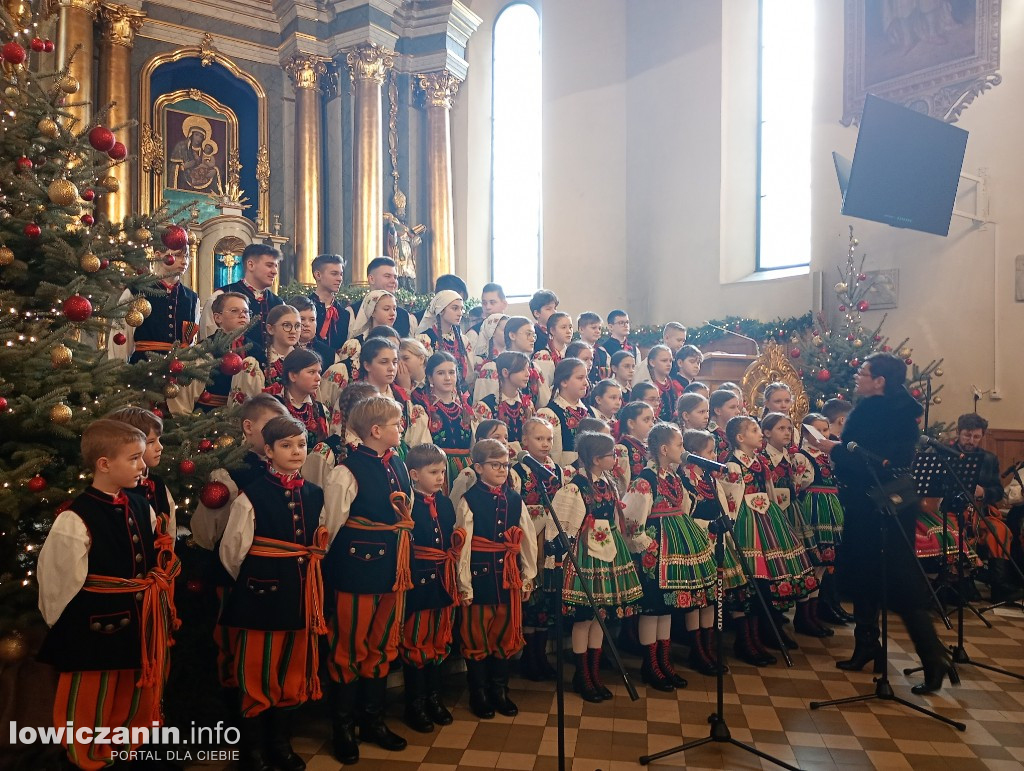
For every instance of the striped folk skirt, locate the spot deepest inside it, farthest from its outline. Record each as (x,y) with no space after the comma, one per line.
(773,554)
(615,585)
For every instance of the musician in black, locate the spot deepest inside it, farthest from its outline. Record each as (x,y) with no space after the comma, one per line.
(884,424)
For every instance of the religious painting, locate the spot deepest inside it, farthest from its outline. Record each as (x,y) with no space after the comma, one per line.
(883,288)
(197,162)
(934,56)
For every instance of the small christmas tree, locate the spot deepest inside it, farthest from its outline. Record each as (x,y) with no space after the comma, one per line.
(827,355)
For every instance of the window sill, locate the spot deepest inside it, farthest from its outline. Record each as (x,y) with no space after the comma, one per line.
(772,275)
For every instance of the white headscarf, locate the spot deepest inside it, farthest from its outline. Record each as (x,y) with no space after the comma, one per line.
(440,301)
(488,327)
(364,319)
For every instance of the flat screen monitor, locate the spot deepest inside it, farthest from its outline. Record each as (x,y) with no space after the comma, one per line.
(905,170)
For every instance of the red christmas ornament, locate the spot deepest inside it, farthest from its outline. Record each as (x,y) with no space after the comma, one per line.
(102,139)
(25,163)
(118,152)
(908,362)
(48,46)
(214,495)
(877,338)
(175,238)
(187,466)
(168,259)
(824,375)
(3,403)
(37,45)
(863,305)
(231,363)
(886,348)
(32,230)
(88,220)
(177,366)
(120,339)
(862,276)
(157,411)
(842,309)
(794,353)
(916,393)
(851,338)
(37,484)
(205,445)
(855,363)
(77,308)
(88,194)
(104,263)
(13,53)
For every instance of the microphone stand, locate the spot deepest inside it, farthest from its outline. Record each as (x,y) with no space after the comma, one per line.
(883,688)
(719,728)
(563,551)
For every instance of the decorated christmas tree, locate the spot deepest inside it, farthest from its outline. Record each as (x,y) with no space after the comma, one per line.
(63,272)
(828,354)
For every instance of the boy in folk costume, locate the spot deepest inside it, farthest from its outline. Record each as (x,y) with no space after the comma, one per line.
(495,577)
(431,603)
(272,546)
(151,487)
(331,313)
(369,521)
(588,324)
(106,574)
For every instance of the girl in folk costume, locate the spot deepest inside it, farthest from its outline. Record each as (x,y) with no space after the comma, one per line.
(378,308)
(673,558)
(332,451)
(648,394)
(605,400)
(778,397)
(623,367)
(588,509)
(772,554)
(559,329)
(578,349)
(692,411)
(378,364)
(791,472)
(659,367)
(412,366)
(724,406)
(450,419)
(301,375)
(540,479)
(636,420)
(519,336)
(440,324)
(283,327)
(512,404)
(566,409)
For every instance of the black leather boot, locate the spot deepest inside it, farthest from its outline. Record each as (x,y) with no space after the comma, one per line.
(803,621)
(757,633)
(934,657)
(497,687)
(650,670)
(479,704)
(581,682)
(372,727)
(435,707)
(279,741)
(594,659)
(343,722)
(416,716)
(862,654)
(253,755)
(700,658)
(666,666)
(745,649)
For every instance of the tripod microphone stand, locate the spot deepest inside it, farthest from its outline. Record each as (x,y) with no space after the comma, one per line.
(719,728)
(883,688)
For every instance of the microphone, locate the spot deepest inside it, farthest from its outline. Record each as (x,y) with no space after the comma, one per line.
(704,463)
(926,441)
(1014,467)
(856,449)
(735,334)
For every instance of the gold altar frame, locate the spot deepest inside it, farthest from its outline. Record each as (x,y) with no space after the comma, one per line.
(166,102)
(150,144)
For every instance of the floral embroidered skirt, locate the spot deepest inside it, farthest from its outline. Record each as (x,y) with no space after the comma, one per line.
(824,515)
(615,585)
(681,573)
(773,553)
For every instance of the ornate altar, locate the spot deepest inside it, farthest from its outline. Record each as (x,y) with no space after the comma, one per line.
(773,365)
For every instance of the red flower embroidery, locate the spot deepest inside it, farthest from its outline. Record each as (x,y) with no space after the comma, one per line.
(600,536)
(811,583)
(828,554)
(732,477)
(642,486)
(785,589)
(648,560)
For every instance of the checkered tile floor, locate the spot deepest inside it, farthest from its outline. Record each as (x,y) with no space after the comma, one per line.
(767,707)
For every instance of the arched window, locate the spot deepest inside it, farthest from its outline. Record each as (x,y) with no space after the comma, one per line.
(785,99)
(516,151)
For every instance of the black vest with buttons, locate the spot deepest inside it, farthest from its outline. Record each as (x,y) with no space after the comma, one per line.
(428,591)
(268,593)
(493,514)
(165,324)
(101,631)
(366,561)
(154,491)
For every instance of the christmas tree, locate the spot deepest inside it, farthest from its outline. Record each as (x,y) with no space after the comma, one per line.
(828,354)
(63,272)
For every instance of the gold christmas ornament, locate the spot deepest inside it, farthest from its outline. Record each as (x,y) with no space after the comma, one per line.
(141,304)
(143,235)
(60,414)
(62,192)
(110,184)
(133,318)
(10,92)
(171,390)
(841,287)
(936,400)
(816,340)
(48,128)
(938,373)
(12,648)
(905,352)
(858,343)
(60,356)
(820,403)
(222,442)
(6,256)
(90,263)
(121,265)
(69,84)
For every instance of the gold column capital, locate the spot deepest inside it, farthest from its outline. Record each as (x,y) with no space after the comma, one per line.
(92,7)
(120,23)
(369,62)
(439,88)
(306,70)
(19,10)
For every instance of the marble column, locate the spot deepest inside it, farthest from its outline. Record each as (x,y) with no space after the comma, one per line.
(75,20)
(368,66)
(306,72)
(119,25)
(439,90)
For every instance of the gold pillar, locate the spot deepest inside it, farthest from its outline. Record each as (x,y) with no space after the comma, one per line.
(19,10)
(120,23)
(439,90)
(306,72)
(74,27)
(368,66)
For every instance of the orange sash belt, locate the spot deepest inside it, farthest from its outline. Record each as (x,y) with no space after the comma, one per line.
(449,579)
(314,592)
(403,527)
(152,345)
(511,578)
(158,618)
